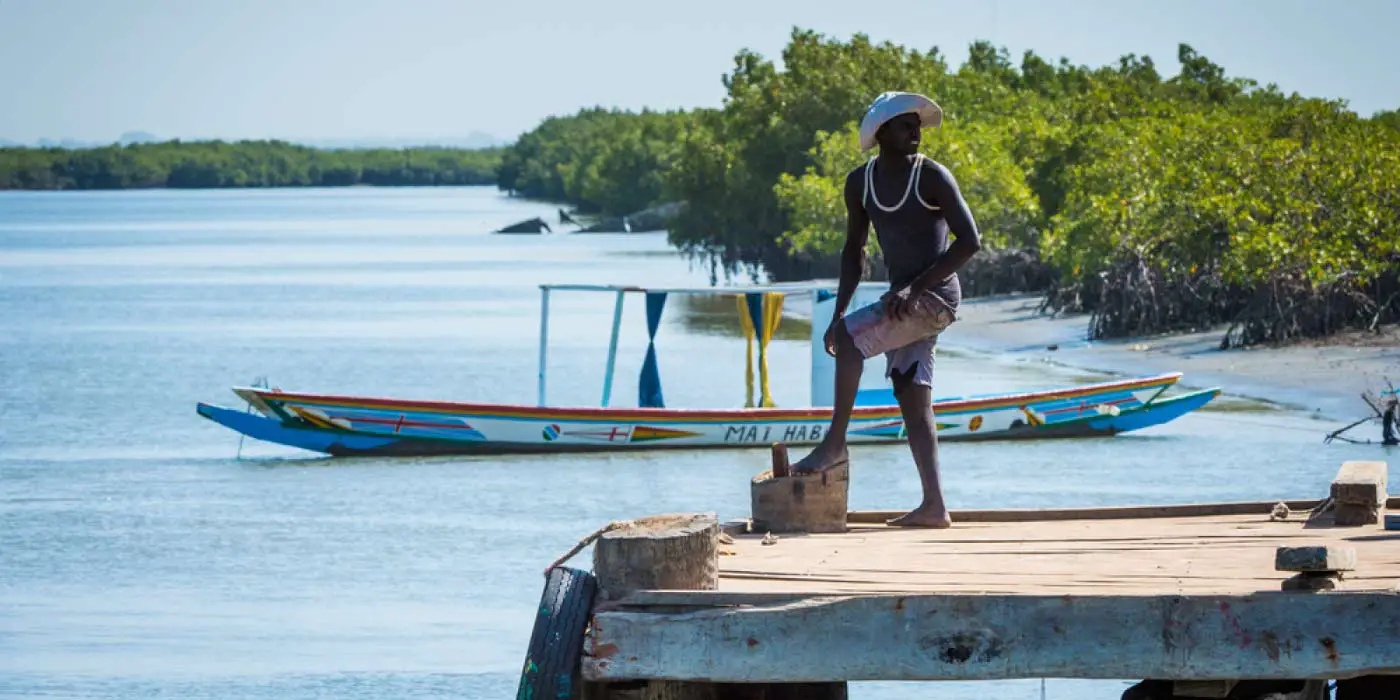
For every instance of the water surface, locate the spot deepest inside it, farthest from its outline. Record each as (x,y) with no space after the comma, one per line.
(146,552)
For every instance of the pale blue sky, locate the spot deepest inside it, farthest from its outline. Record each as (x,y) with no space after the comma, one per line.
(92,69)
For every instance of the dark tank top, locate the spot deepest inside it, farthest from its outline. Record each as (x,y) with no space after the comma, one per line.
(913,231)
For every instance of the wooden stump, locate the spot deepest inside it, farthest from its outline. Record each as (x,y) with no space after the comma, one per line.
(678,551)
(780,501)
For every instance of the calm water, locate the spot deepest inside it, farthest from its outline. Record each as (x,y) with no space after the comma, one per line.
(140,557)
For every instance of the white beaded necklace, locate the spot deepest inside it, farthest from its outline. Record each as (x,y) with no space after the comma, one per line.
(912,185)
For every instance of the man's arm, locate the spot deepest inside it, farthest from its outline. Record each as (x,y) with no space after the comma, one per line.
(853,253)
(936,184)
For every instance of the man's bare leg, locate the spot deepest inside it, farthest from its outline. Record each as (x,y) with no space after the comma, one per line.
(849,365)
(915,403)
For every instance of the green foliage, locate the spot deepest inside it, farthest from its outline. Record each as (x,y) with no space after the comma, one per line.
(979,155)
(1158,202)
(204,164)
(767,129)
(605,161)
(1390,118)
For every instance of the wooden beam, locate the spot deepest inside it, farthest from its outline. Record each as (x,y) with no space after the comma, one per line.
(1315,558)
(1188,510)
(987,637)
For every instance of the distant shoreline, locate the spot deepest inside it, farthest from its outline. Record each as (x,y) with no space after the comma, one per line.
(359,185)
(241,165)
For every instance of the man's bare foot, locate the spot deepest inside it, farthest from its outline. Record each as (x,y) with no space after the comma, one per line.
(821,458)
(923,517)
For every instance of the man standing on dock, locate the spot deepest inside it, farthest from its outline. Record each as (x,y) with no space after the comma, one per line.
(924,290)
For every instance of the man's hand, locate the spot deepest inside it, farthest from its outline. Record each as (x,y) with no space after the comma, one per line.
(830,337)
(896,306)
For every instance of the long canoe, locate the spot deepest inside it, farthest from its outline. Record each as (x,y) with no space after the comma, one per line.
(351,425)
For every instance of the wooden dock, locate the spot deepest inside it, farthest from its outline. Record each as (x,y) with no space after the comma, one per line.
(1213,593)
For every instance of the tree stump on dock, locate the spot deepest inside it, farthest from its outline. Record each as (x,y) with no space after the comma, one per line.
(678,552)
(781,502)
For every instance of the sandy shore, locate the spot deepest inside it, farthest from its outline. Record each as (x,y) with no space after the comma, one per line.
(1325,379)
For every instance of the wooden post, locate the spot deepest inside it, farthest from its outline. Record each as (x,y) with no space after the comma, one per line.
(1358,493)
(781,501)
(780,460)
(784,502)
(679,551)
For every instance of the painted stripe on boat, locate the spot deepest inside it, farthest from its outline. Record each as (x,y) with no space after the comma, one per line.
(750,415)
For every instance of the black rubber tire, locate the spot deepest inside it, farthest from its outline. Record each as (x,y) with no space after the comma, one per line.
(551,669)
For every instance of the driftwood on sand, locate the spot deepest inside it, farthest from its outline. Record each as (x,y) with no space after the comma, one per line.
(1385,409)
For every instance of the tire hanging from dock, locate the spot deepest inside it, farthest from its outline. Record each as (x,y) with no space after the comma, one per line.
(551,670)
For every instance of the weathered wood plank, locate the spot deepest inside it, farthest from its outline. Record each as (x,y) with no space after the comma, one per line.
(1020,515)
(1014,515)
(1315,558)
(941,637)
(1226,554)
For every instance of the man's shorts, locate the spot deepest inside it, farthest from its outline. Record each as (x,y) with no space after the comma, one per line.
(907,342)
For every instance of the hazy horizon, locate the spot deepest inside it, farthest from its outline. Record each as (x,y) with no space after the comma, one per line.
(361,71)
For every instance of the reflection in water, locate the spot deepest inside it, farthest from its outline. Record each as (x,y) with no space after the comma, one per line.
(719,315)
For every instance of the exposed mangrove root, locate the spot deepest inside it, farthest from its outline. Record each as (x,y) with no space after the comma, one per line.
(1136,296)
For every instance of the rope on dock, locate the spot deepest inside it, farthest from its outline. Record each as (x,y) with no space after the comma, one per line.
(585,542)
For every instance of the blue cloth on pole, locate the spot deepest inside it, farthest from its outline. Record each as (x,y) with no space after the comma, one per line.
(649,387)
(754,302)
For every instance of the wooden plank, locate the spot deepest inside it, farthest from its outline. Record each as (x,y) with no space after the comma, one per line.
(1017,515)
(1315,558)
(1149,556)
(1187,510)
(702,599)
(943,637)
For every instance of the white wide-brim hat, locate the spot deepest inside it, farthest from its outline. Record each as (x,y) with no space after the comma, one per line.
(892,104)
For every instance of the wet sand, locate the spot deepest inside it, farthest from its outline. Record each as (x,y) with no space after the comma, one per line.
(1324,378)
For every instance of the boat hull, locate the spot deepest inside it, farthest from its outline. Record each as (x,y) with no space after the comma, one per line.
(344,425)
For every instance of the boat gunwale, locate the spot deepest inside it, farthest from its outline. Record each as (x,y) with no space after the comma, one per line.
(489,410)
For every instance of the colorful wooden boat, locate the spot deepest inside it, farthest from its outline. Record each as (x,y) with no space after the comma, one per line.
(354,425)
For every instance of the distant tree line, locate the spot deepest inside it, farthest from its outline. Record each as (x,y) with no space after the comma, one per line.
(203,164)
(1155,203)
(602,161)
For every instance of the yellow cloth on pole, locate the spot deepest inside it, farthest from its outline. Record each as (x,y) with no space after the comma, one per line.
(771,315)
(747,325)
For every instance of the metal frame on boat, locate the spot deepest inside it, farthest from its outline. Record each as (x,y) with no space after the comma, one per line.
(353,425)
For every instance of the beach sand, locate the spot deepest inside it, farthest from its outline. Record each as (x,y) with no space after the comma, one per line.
(1325,378)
